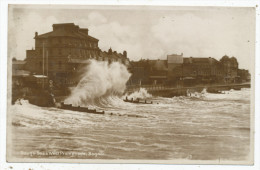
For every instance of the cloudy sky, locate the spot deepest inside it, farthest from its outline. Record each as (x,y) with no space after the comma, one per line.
(144,32)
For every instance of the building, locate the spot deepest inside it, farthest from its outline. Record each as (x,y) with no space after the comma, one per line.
(193,70)
(188,71)
(113,56)
(159,71)
(18,73)
(244,75)
(175,69)
(203,70)
(148,72)
(230,67)
(61,53)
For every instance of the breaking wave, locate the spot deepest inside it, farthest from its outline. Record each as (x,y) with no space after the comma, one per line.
(140,94)
(100,81)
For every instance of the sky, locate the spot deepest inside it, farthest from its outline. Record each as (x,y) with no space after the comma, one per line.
(145,32)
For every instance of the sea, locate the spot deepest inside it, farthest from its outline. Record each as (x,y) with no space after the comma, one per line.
(203,126)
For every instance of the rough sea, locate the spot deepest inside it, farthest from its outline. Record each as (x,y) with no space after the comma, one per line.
(203,126)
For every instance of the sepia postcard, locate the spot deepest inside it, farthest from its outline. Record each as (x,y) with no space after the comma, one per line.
(131,84)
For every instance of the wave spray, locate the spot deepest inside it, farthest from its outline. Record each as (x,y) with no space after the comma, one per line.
(99,80)
(140,94)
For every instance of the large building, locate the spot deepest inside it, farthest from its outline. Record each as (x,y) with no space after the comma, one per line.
(244,75)
(175,63)
(61,53)
(180,71)
(204,70)
(230,68)
(148,72)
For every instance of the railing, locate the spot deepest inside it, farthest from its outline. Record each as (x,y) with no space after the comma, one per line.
(131,88)
(147,87)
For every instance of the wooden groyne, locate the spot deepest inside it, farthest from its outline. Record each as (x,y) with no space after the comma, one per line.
(137,101)
(93,111)
(80,109)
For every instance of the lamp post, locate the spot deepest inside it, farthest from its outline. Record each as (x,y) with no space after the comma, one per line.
(43,58)
(43,64)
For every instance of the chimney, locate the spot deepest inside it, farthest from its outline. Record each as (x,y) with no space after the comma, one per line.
(36,34)
(210,60)
(110,51)
(190,59)
(84,30)
(125,54)
(76,28)
(64,26)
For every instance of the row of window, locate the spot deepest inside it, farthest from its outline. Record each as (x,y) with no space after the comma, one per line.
(60,63)
(203,72)
(80,43)
(51,64)
(69,52)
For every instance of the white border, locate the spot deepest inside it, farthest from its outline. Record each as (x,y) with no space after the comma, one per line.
(3,83)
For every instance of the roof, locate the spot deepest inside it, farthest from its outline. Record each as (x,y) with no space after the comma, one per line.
(113,55)
(63,24)
(224,58)
(158,64)
(199,60)
(63,33)
(72,31)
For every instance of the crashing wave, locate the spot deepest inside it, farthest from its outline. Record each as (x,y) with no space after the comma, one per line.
(100,80)
(140,94)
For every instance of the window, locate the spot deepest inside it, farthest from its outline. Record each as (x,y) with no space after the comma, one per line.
(60,64)
(83,53)
(50,51)
(78,52)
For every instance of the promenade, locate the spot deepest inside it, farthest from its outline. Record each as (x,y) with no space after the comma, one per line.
(170,91)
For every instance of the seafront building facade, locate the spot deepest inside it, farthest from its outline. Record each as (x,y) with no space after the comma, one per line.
(177,70)
(61,53)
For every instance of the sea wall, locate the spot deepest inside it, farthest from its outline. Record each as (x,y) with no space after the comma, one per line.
(183,91)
